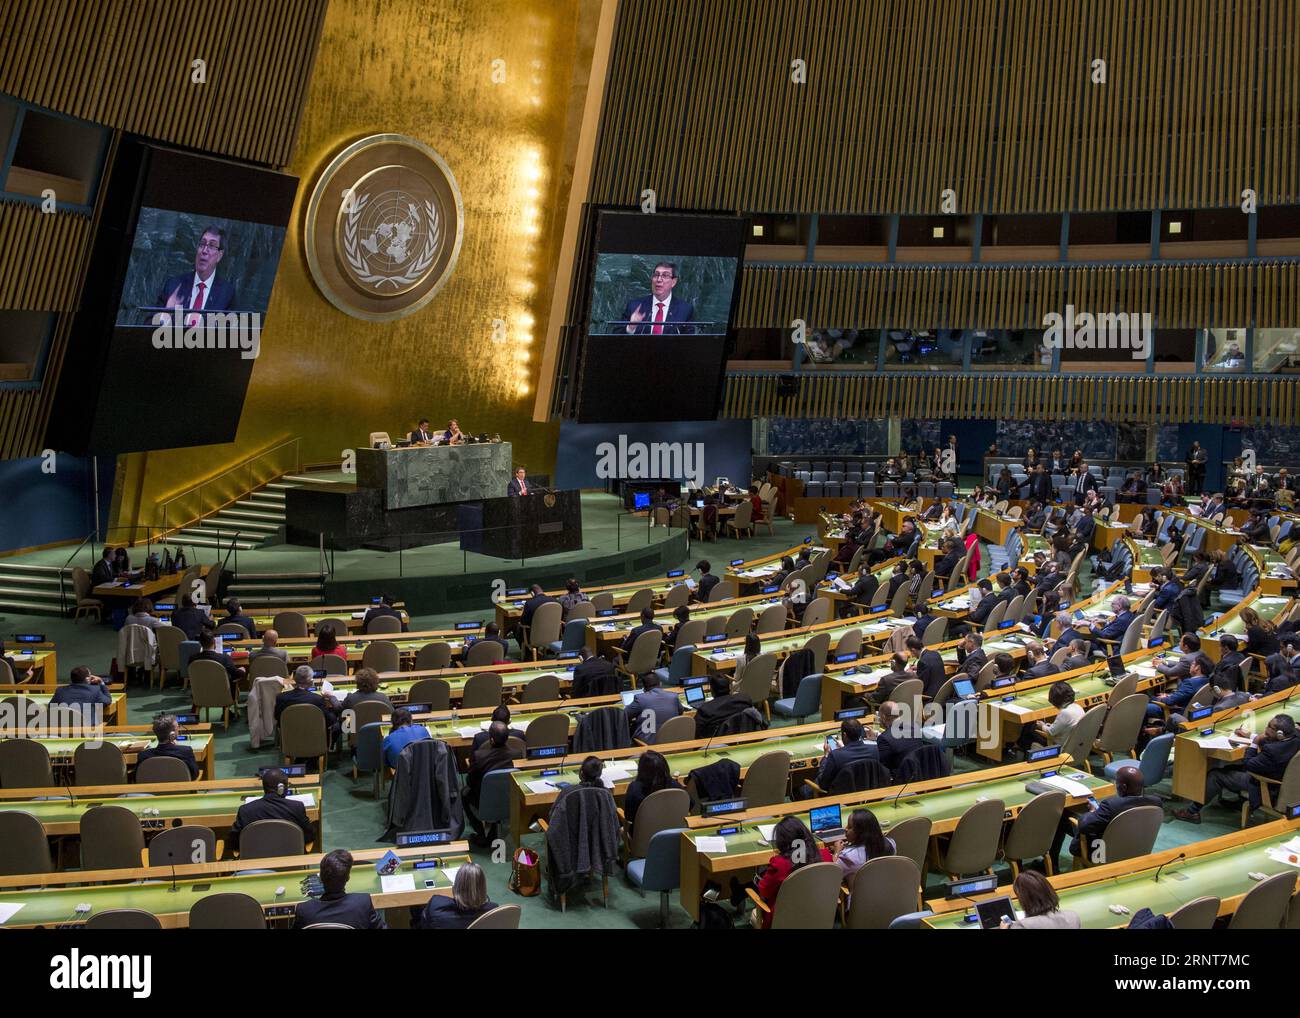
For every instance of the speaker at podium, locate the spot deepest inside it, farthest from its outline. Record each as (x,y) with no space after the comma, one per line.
(542,522)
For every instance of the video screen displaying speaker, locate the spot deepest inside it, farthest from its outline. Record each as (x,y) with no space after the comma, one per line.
(173,314)
(659,309)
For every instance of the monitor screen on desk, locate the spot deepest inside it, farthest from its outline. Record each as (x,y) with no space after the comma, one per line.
(641,500)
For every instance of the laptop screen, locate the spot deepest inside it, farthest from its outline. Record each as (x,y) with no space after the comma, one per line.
(1116,664)
(992,913)
(825,818)
(695,695)
(963,687)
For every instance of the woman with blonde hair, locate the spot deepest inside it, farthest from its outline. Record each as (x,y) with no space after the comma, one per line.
(469,900)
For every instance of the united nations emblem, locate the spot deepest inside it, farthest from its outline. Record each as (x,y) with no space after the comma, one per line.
(384,227)
(548,500)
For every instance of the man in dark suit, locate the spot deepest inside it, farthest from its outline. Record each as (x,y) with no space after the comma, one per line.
(201,290)
(929,666)
(1193,671)
(518,485)
(235,613)
(990,600)
(1040,486)
(952,555)
(302,692)
(1181,666)
(1082,482)
(651,708)
(189,618)
(501,714)
(1267,756)
(595,675)
(723,705)
(658,313)
(860,594)
(888,683)
(491,634)
(537,598)
(86,693)
(1039,665)
(423,433)
(208,652)
(707,581)
(648,624)
(491,755)
(105,571)
(853,747)
(1197,458)
(1083,530)
(1078,656)
(1068,633)
(896,579)
(384,609)
(165,731)
(897,736)
(1129,787)
(971,656)
(1114,629)
(355,911)
(274,804)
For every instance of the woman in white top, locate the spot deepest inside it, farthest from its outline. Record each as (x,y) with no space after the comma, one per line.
(1041,906)
(141,614)
(865,842)
(1068,714)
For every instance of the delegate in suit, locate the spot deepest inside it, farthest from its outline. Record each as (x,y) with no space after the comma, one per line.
(201,290)
(658,313)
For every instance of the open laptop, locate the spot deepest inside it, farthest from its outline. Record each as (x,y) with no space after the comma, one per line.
(695,695)
(827,823)
(1115,663)
(964,688)
(992,912)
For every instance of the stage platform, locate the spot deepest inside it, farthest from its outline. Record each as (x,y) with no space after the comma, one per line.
(440,578)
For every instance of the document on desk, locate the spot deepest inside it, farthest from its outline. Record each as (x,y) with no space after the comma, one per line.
(8,910)
(395,882)
(1014,708)
(766,831)
(1216,742)
(1068,785)
(469,732)
(306,798)
(540,787)
(711,845)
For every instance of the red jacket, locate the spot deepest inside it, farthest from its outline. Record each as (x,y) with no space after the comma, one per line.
(778,868)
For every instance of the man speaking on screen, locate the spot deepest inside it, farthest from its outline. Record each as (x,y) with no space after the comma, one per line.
(201,290)
(658,313)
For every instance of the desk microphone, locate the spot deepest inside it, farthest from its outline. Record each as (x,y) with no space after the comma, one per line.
(171,858)
(708,742)
(900,793)
(1180,856)
(67,783)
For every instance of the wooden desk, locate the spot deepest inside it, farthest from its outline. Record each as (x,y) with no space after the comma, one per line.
(210,804)
(994,528)
(602,633)
(1194,750)
(38,664)
(50,899)
(1218,867)
(114,711)
(142,588)
(806,745)
(756,572)
(510,609)
(351,614)
(1268,608)
(301,649)
(131,739)
(943,800)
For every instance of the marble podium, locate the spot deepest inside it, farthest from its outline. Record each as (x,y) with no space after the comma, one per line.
(436,474)
(541,523)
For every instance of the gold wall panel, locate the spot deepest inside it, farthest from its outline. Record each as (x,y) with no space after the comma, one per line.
(127,64)
(424,70)
(41,257)
(904,98)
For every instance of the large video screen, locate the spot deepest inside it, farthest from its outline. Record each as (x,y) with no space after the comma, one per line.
(174,311)
(662,294)
(197,262)
(658,316)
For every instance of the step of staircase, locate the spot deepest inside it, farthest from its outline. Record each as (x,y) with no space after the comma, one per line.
(279,588)
(241,511)
(200,538)
(33,589)
(230,522)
